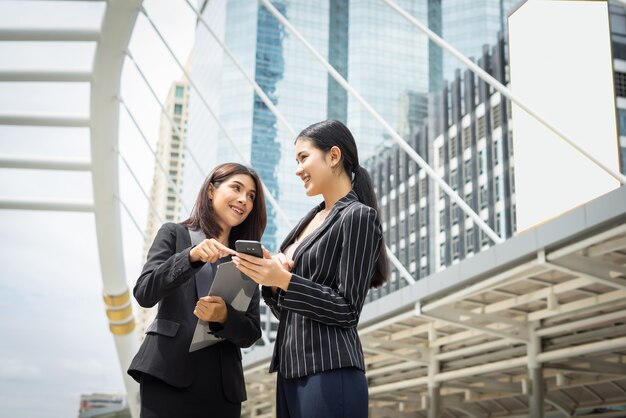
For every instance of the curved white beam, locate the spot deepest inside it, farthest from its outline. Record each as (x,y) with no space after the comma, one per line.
(45,75)
(22,203)
(39,163)
(117,26)
(49,35)
(66,121)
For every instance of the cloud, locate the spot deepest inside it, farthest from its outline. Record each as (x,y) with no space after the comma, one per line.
(18,369)
(88,367)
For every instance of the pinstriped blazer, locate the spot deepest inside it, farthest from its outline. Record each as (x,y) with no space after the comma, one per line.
(319,312)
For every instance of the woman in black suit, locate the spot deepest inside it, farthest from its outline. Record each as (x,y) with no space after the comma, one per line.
(208,382)
(317,285)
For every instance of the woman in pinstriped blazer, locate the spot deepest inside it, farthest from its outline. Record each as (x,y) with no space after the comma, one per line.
(317,285)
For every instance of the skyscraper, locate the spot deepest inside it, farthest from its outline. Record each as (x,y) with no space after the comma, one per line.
(381,55)
(165,205)
(470,24)
(388,61)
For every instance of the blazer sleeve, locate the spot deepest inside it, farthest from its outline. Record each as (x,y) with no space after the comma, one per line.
(271,300)
(241,328)
(362,237)
(165,269)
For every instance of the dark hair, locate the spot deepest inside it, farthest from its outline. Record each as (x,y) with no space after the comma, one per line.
(332,133)
(203,216)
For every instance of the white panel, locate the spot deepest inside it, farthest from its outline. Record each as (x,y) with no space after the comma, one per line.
(560,61)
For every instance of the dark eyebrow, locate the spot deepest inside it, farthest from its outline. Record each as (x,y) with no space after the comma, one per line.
(243,185)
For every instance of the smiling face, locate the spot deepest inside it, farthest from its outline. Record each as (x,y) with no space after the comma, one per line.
(315,167)
(233,200)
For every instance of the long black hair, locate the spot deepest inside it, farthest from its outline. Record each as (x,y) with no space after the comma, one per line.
(332,133)
(203,216)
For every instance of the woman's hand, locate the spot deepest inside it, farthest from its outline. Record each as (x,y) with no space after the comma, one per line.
(284,261)
(211,309)
(266,271)
(209,251)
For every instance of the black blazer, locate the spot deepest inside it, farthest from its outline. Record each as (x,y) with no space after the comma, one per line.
(168,278)
(319,313)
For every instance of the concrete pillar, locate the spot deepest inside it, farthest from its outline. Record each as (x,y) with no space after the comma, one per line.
(536,392)
(434,388)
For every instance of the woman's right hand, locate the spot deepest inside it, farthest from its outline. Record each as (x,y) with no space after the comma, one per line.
(284,261)
(209,251)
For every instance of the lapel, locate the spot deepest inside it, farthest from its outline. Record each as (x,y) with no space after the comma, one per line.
(334,214)
(204,276)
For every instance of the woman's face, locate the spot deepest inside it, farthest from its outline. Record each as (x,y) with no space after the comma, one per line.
(233,200)
(313,167)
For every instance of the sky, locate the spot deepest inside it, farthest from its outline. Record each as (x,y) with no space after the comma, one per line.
(56,343)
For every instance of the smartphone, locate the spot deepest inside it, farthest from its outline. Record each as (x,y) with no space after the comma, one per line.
(249,247)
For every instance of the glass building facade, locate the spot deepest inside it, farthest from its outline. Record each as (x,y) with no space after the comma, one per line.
(389,62)
(383,57)
(470,24)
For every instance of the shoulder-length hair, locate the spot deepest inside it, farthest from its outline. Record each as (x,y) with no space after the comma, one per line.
(203,215)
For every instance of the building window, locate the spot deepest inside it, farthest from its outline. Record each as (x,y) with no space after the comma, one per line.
(496,152)
(483,197)
(481,156)
(467,171)
(453,179)
(455,248)
(468,200)
(442,220)
(497,185)
(442,254)
(413,193)
(497,117)
(180,90)
(441,156)
(481,127)
(452,144)
(423,272)
(455,214)
(423,186)
(422,216)
(621,120)
(498,221)
(467,138)
(178,109)
(512,180)
(469,240)
(484,239)
(620,84)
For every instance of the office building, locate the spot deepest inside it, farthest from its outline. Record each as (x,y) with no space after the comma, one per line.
(165,203)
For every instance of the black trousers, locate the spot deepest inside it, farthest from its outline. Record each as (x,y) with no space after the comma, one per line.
(340,393)
(203,399)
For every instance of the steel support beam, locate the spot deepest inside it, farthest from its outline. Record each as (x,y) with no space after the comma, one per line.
(50,35)
(117,26)
(70,76)
(537,390)
(46,204)
(38,163)
(45,120)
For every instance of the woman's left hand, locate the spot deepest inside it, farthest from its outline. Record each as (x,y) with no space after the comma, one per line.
(266,271)
(211,309)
